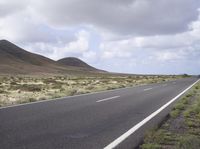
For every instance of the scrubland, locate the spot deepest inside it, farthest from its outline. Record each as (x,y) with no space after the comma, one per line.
(23,89)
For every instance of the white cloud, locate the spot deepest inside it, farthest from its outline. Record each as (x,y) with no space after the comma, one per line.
(168,56)
(122,16)
(177,53)
(116,49)
(9,7)
(81,45)
(58,50)
(90,57)
(126,35)
(20,27)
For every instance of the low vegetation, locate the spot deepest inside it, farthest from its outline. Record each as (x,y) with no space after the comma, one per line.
(181,130)
(23,89)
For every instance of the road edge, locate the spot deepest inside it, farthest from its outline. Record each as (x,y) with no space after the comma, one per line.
(124,136)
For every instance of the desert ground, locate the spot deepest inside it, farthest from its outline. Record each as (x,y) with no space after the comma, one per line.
(24,89)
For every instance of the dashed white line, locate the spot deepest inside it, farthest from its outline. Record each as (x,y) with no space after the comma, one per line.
(147,89)
(124,136)
(108,98)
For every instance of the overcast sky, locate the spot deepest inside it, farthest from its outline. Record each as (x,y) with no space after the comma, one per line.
(130,36)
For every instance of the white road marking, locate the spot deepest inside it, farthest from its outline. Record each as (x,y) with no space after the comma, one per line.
(108,98)
(164,84)
(174,82)
(144,121)
(147,89)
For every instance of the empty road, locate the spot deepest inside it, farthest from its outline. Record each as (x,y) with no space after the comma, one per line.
(107,119)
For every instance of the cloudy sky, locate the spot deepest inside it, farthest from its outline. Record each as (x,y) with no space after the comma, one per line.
(131,36)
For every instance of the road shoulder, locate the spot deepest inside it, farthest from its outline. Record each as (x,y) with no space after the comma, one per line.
(181,129)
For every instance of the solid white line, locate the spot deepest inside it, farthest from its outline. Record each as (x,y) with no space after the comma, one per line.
(108,98)
(147,89)
(144,121)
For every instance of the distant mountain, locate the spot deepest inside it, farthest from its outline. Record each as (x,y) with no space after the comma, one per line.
(15,60)
(10,53)
(75,62)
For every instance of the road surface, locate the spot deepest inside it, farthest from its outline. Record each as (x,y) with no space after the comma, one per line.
(90,121)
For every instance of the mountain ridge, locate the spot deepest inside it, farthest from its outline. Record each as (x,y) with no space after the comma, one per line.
(15,60)
(76,62)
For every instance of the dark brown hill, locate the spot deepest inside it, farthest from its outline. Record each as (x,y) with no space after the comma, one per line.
(10,53)
(15,60)
(75,62)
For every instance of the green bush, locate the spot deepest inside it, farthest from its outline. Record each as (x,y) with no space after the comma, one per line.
(174,113)
(49,81)
(27,87)
(71,92)
(189,95)
(155,135)
(42,98)
(179,106)
(13,83)
(151,146)
(189,142)
(32,99)
(3,91)
(57,86)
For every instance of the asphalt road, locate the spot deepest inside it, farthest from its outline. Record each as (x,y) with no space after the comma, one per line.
(85,122)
